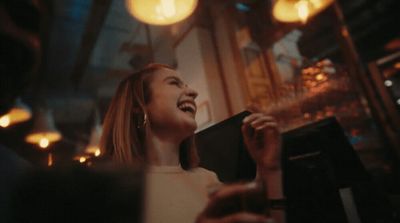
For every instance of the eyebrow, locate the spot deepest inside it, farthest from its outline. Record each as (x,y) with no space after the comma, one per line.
(173,78)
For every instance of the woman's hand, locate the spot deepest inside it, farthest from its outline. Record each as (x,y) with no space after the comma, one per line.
(223,207)
(263,140)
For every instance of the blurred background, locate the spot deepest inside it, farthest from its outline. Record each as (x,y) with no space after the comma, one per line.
(343,60)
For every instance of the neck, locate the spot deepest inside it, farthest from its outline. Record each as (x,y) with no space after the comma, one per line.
(161,150)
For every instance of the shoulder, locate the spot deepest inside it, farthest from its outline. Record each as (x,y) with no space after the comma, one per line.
(207,175)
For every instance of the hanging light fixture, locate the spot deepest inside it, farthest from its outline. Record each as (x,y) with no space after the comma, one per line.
(298,10)
(44,131)
(20,112)
(161,12)
(93,146)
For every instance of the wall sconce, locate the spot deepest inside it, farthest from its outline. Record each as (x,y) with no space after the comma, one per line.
(161,12)
(20,112)
(44,131)
(298,10)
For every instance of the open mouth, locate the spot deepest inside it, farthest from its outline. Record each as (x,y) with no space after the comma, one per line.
(187,107)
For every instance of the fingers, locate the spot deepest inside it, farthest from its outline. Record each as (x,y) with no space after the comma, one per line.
(241,217)
(245,217)
(260,121)
(226,192)
(232,189)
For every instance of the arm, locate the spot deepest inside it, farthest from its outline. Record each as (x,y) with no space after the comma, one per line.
(263,141)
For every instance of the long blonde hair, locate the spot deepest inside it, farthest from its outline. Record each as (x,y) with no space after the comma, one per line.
(122,140)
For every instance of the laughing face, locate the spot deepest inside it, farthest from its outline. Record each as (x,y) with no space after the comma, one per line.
(171,108)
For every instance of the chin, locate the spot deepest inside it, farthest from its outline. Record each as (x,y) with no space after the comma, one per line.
(191,127)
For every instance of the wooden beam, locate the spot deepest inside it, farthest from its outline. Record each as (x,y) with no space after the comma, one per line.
(94,24)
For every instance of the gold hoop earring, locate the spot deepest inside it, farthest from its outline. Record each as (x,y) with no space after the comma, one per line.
(141,121)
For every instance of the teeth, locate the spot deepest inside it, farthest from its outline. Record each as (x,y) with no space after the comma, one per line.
(187,106)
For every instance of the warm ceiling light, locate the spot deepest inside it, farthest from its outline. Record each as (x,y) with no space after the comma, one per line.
(20,112)
(44,143)
(298,10)
(93,146)
(44,131)
(161,12)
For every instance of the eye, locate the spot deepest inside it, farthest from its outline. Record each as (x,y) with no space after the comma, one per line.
(176,83)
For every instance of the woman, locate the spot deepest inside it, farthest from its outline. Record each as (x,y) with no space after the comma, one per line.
(151,120)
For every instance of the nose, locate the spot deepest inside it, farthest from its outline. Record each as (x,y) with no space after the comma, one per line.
(191,92)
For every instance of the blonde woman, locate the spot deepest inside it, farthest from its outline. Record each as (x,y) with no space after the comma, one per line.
(151,120)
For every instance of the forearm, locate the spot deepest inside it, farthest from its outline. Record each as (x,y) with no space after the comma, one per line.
(272,179)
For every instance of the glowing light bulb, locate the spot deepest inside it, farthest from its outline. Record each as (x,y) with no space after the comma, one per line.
(167,8)
(44,143)
(320,77)
(388,83)
(161,12)
(82,159)
(316,3)
(5,121)
(97,153)
(303,10)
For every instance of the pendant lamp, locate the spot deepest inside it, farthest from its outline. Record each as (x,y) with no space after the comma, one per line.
(93,147)
(20,112)
(298,10)
(161,12)
(44,131)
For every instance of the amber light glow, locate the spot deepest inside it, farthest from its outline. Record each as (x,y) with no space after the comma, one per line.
(50,159)
(81,158)
(303,10)
(93,150)
(44,143)
(298,10)
(320,77)
(43,140)
(14,116)
(5,121)
(161,12)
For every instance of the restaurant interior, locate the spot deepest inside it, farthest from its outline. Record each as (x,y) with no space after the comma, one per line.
(302,61)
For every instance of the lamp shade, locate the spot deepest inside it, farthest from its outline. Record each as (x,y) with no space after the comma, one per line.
(298,10)
(20,112)
(93,146)
(161,12)
(44,131)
